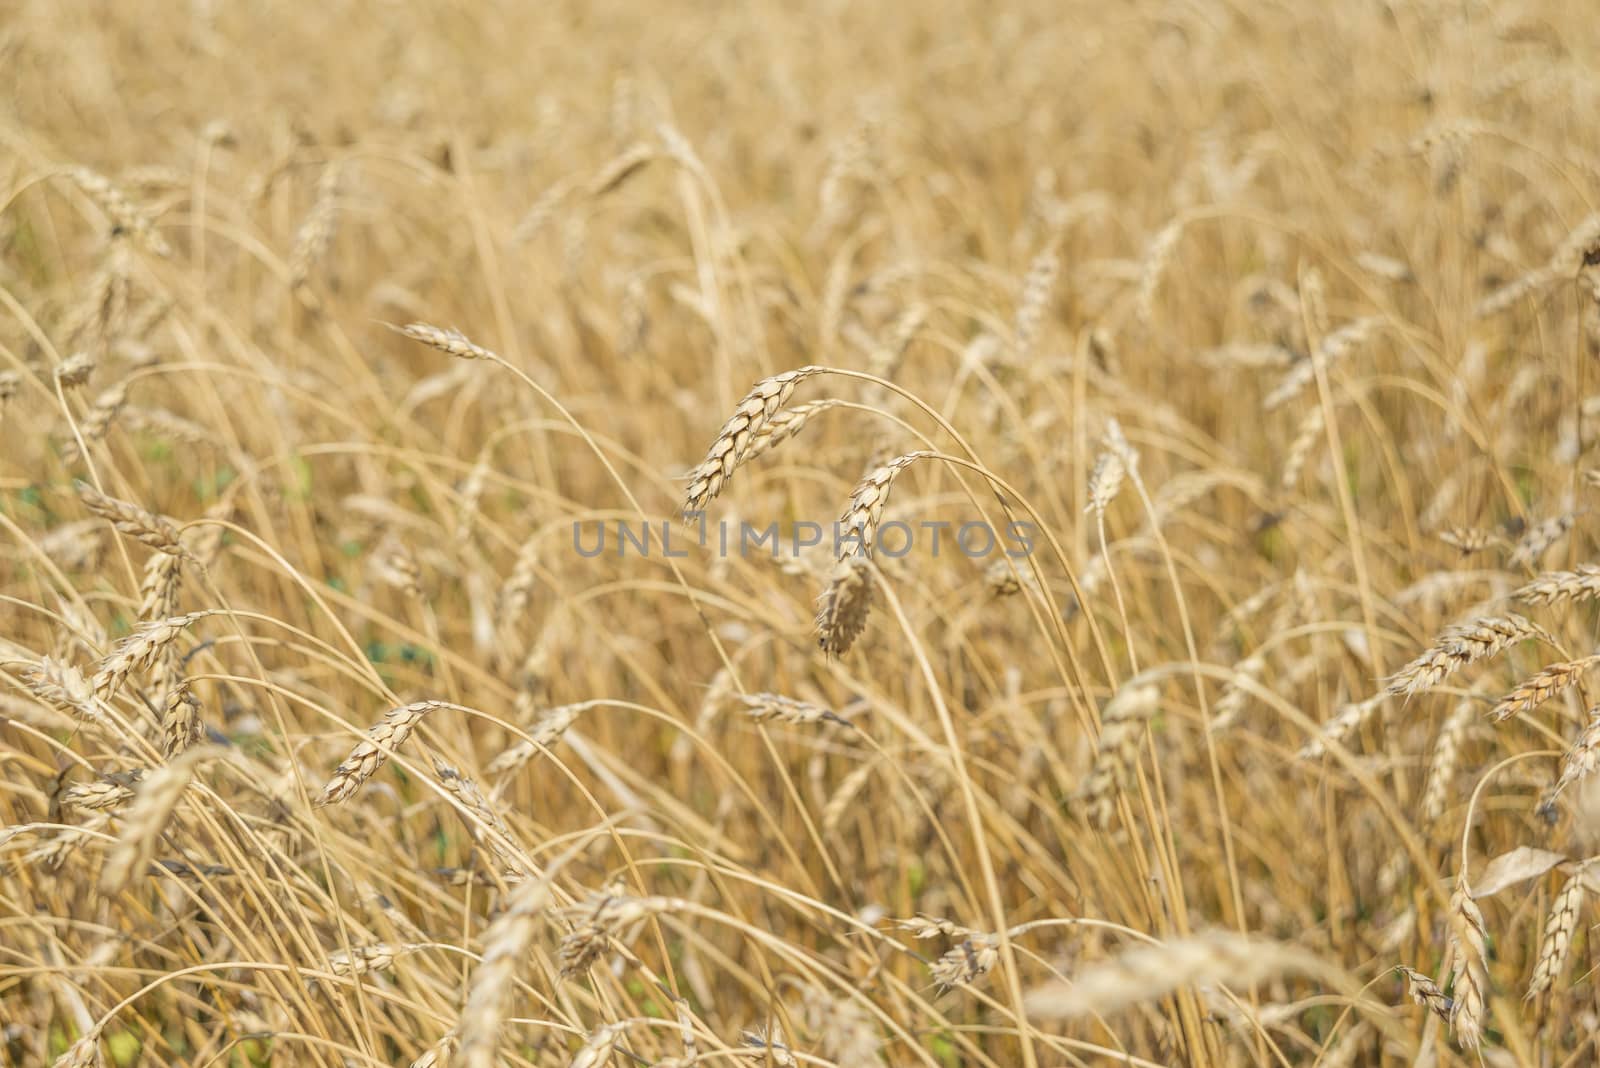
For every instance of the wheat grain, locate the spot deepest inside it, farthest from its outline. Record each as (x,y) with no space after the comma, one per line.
(1559,928)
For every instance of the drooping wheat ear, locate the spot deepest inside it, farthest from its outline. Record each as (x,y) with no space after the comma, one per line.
(784,424)
(1235,697)
(923,927)
(1147,972)
(488,828)
(968,962)
(1564,262)
(858,526)
(1115,461)
(772,706)
(75,370)
(630,162)
(1558,587)
(438,1053)
(1559,928)
(1460,645)
(158,592)
(1333,348)
(1117,751)
(1425,992)
(762,1043)
(1156,258)
(1468,540)
(841,801)
(139,651)
(124,216)
(598,919)
(472,488)
(1469,974)
(543,734)
(1539,537)
(843,608)
(489,990)
(84,1053)
(514,596)
(315,234)
(737,436)
(1037,286)
(393,564)
(452,342)
(96,796)
(153,530)
(1446,757)
(180,721)
(388,734)
(377,957)
(1349,719)
(1577,764)
(97,420)
(599,1045)
(1306,436)
(147,817)
(1536,689)
(62,686)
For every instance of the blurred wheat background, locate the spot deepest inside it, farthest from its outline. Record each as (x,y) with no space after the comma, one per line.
(323,325)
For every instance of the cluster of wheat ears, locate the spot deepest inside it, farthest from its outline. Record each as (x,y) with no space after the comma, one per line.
(324,329)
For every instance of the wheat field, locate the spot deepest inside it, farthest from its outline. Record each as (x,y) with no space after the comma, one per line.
(1041,534)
